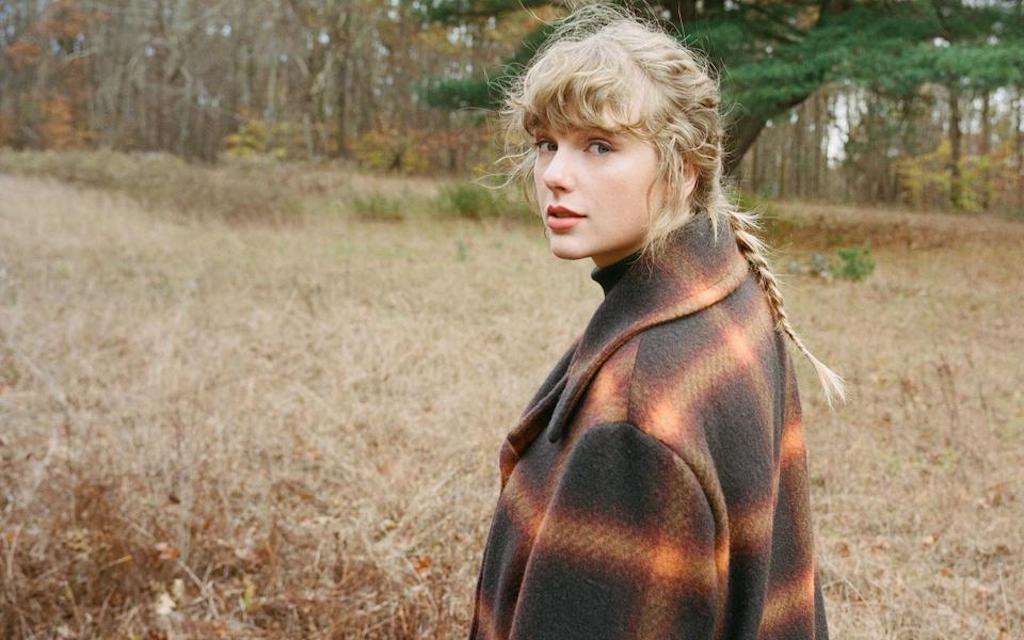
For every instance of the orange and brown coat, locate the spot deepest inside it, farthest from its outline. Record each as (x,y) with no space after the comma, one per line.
(656,485)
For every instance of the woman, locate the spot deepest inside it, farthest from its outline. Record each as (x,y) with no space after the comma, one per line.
(656,485)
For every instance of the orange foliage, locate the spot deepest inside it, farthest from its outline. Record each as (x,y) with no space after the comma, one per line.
(23,53)
(65,19)
(59,128)
(6,128)
(59,35)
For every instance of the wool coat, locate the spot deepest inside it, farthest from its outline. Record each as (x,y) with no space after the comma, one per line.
(656,485)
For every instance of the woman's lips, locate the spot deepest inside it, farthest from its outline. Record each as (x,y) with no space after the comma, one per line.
(562,219)
(562,224)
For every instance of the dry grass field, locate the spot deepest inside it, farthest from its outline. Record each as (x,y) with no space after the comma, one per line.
(291,431)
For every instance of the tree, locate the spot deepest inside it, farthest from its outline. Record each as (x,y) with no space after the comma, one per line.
(774,55)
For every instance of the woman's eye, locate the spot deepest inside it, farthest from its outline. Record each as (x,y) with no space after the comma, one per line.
(601,148)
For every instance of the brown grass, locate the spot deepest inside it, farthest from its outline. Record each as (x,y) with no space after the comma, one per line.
(247,432)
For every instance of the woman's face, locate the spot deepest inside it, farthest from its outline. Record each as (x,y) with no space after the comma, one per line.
(592,189)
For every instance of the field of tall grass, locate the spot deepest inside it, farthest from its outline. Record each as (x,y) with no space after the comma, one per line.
(220,429)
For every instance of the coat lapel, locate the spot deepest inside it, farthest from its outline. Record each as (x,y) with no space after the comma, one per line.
(538,411)
(697,271)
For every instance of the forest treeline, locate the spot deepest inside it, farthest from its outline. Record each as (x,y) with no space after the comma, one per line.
(916,101)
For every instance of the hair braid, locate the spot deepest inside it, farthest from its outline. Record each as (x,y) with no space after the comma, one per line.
(744,226)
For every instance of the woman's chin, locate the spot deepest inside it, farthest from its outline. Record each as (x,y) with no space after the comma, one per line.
(567,250)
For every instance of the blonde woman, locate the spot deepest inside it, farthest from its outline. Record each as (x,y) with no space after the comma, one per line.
(656,485)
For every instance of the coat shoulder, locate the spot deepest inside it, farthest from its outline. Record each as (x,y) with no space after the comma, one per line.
(720,371)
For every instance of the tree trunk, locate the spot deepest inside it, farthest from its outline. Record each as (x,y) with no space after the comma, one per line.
(984,149)
(1019,135)
(819,140)
(784,153)
(799,150)
(341,140)
(955,147)
(755,166)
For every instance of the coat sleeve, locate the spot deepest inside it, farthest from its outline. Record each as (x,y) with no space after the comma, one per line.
(625,548)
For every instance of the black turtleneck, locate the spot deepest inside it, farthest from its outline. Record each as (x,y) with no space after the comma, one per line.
(608,275)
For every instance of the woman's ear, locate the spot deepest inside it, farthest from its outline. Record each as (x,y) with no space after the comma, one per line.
(689,178)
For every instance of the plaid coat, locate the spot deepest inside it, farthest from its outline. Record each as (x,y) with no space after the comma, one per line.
(656,485)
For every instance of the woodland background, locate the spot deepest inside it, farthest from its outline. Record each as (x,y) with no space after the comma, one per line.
(262,330)
(914,102)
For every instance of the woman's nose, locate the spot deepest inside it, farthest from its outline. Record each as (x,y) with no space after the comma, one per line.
(558,174)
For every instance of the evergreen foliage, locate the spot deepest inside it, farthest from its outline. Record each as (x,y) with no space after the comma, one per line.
(772,56)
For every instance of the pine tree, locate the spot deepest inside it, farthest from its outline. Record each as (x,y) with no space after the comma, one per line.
(773,56)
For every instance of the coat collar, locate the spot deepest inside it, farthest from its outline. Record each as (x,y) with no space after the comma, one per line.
(699,268)
(696,272)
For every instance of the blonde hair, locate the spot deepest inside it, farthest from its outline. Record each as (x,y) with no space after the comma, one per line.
(604,66)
